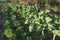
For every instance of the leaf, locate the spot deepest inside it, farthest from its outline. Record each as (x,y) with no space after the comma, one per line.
(46,11)
(57,22)
(8,32)
(26,21)
(30,28)
(48,19)
(50,27)
(56,32)
(41,12)
(12,6)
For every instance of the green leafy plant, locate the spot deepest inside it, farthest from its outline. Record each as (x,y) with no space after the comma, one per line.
(28,22)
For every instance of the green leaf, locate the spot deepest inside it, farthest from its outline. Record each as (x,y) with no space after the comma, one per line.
(8,33)
(50,27)
(12,6)
(56,32)
(48,19)
(30,28)
(57,22)
(46,11)
(41,12)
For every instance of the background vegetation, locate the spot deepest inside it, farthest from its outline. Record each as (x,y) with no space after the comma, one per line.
(31,20)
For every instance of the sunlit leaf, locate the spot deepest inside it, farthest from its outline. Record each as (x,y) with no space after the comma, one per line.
(56,32)
(48,19)
(8,32)
(46,11)
(30,28)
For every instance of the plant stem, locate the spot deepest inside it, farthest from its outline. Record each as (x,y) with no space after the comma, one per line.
(42,33)
(54,37)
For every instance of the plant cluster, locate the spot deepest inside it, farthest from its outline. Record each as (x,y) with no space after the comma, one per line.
(29,22)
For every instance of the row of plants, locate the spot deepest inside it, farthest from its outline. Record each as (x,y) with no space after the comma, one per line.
(28,22)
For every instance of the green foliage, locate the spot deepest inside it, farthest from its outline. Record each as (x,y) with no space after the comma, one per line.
(8,33)
(23,22)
